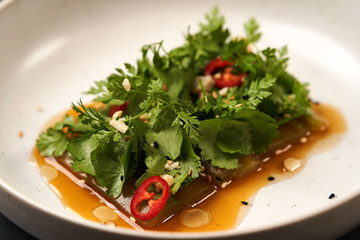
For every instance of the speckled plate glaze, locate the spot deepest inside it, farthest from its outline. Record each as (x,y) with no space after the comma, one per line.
(51,51)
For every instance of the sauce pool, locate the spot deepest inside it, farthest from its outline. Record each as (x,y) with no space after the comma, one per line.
(221,211)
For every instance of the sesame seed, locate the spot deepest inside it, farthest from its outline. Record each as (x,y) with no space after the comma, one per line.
(244,203)
(238,105)
(280,151)
(332,195)
(271,178)
(202,174)
(224,184)
(303,140)
(132,219)
(202,168)
(218,178)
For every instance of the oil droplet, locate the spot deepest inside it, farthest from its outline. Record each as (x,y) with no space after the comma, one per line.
(104,214)
(291,164)
(194,217)
(48,172)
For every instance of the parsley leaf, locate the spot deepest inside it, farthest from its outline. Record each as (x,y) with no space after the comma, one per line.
(53,142)
(80,150)
(169,141)
(263,128)
(252,31)
(110,162)
(210,150)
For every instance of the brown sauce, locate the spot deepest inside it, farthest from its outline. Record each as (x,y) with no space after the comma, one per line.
(223,208)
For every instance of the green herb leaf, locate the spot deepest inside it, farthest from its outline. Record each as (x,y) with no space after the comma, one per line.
(210,150)
(169,141)
(109,161)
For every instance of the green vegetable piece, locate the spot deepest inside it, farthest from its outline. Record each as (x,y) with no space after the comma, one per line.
(235,138)
(209,130)
(80,150)
(169,141)
(110,163)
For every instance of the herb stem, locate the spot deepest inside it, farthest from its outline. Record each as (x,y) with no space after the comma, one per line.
(142,112)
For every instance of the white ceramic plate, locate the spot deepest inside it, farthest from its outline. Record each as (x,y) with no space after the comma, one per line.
(51,51)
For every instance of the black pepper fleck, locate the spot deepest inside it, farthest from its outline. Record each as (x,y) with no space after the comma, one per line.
(331,196)
(245,97)
(271,178)
(244,202)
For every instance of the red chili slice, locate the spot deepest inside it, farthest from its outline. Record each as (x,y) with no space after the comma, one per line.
(216,64)
(226,79)
(114,108)
(142,194)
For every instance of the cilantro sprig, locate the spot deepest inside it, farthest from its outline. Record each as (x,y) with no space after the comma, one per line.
(168,122)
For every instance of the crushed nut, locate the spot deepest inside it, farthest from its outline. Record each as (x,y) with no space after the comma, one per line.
(207,81)
(126,84)
(116,115)
(223,91)
(172,166)
(214,95)
(119,125)
(168,178)
(143,117)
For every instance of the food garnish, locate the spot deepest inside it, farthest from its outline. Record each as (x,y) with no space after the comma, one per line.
(209,105)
